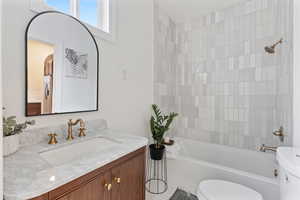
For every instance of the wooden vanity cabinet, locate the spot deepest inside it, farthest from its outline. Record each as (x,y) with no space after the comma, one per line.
(122,179)
(128,184)
(43,197)
(90,191)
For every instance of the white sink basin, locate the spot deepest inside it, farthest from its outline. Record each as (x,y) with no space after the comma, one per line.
(79,151)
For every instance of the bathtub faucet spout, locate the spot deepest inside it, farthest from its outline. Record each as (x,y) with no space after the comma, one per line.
(265,148)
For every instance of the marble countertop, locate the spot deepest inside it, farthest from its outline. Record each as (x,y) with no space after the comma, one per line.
(28,175)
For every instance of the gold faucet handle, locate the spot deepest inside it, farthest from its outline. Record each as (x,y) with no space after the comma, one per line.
(82,132)
(82,123)
(53,139)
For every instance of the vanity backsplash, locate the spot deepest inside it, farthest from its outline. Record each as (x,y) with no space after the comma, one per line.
(37,135)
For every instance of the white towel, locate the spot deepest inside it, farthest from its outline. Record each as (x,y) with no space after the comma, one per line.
(47,80)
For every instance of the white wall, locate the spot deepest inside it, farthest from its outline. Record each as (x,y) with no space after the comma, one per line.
(124,103)
(296,98)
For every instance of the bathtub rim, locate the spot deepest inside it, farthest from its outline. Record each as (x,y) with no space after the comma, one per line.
(269,154)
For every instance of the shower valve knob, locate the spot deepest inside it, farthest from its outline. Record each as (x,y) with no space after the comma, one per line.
(279,133)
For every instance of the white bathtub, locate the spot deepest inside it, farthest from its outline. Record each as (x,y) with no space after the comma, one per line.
(196,161)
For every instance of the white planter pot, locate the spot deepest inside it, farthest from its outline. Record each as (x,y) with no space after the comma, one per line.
(10,144)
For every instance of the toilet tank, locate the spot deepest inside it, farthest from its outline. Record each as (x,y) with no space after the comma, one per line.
(289,173)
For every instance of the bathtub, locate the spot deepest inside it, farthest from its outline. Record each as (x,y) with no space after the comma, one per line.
(194,161)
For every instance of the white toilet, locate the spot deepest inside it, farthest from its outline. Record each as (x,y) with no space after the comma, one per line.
(223,190)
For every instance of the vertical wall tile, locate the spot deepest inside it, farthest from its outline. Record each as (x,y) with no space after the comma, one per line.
(215,73)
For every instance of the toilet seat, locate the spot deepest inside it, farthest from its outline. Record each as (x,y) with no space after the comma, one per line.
(224,190)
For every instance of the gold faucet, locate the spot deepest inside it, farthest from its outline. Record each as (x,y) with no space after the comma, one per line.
(70,129)
(265,148)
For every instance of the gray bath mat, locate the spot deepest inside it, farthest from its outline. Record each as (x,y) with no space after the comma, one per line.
(183,195)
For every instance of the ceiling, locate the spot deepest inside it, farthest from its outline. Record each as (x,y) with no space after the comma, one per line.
(181,10)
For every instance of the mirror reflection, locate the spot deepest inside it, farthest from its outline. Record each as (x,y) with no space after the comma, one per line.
(62,66)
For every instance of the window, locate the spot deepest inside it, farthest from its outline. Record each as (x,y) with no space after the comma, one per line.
(60,5)
(88,12)
(96,14)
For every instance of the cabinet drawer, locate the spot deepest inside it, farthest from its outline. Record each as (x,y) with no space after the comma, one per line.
(89,191)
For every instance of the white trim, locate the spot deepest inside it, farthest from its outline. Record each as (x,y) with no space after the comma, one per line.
(1,89)
(37,6)
(113,16)
(74,8)
(98,33)
(99,13)
(104,14)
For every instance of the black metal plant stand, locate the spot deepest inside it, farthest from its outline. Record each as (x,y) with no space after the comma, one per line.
(157,178)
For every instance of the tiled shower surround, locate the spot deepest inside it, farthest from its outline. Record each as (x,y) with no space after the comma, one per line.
(215,73)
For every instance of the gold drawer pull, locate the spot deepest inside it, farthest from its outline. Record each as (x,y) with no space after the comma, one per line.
(118,180)
(108,186)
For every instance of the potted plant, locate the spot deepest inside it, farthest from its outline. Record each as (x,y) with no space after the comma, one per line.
(159,125)
(11,131)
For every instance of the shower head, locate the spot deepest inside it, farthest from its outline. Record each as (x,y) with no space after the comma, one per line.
(271,49)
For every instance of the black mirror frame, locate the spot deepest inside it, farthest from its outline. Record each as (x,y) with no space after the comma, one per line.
(26,64)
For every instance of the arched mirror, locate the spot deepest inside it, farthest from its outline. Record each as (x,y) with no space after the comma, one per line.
(61,66)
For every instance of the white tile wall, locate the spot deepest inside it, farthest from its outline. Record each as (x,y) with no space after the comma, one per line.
(215,73)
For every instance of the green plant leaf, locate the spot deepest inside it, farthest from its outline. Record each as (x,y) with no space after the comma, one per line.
(11,127)
(160,124)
